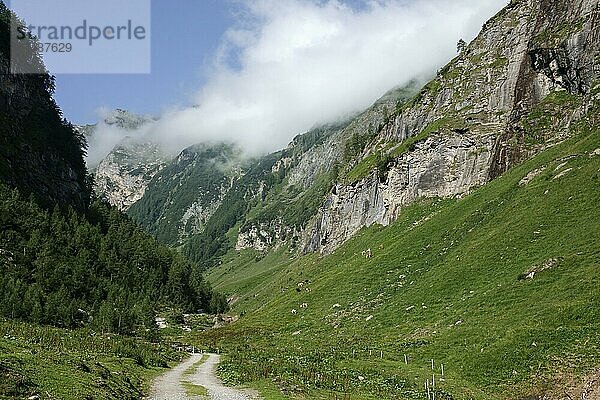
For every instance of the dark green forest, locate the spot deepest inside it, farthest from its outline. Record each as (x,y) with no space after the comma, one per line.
(66,259)
(68,269)
(201,168)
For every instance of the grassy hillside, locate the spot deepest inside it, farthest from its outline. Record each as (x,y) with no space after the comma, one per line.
(449,281)
(55,363)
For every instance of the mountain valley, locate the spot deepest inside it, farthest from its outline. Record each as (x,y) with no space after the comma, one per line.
(442,243)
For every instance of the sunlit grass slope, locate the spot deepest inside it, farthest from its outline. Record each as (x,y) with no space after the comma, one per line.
(501,287)
(54,363)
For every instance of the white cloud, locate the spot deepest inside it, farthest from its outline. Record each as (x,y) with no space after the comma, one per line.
(302,62)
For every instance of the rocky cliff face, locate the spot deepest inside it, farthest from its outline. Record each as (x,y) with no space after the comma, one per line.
(309,168)
(441,166)
(122,177)
(40,153)
(512,92)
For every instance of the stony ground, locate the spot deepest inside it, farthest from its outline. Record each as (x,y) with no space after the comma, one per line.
(169,386)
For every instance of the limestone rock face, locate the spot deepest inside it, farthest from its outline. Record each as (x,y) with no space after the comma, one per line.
(122,177)
(507,96)
(441,166)
(315,161)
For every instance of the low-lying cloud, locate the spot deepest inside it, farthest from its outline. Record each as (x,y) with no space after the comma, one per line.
(290,64)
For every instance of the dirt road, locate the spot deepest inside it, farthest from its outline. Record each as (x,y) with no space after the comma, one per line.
(169,386)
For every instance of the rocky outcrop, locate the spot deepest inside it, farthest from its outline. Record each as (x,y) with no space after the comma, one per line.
(441,166)
(268,236)
(315,161)
(122,177)
(325,156)
(497,103)
(263,237)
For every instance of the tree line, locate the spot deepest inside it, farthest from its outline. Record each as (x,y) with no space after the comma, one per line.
(70,269)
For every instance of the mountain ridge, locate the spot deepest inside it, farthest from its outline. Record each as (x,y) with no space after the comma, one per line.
(122,176)
(485,111)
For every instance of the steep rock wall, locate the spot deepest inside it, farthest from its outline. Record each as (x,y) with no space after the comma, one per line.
(477,118)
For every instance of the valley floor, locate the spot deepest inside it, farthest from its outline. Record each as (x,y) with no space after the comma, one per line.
(51,363)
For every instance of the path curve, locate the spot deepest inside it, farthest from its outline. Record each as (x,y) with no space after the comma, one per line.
(205,376)
(168,386)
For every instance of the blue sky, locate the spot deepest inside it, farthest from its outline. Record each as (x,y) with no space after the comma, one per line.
(185,36)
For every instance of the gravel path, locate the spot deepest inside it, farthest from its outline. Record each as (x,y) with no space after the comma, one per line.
(168,386)
(205,376)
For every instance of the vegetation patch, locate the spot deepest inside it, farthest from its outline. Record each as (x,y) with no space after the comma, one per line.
(555,36)
(195,390)
(499,62)
(72,364)
(546,117)
(366,166)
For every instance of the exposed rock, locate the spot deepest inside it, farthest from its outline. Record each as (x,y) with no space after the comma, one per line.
(161,322)
(122,177)
(267,236)
(315,161)
(548,264)
(563,173)
(473,119)
(441,166)
(531,176)
(224,320)
(516,89)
